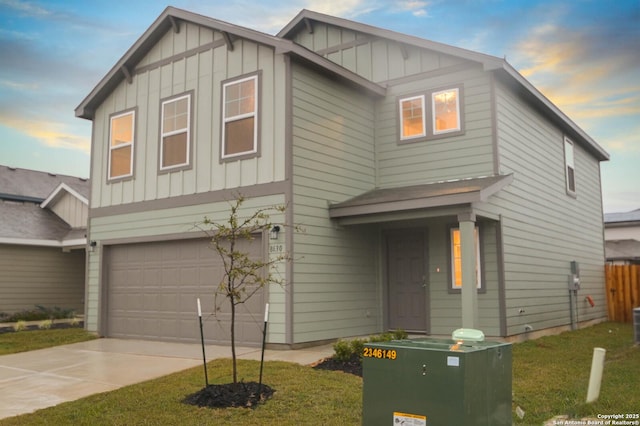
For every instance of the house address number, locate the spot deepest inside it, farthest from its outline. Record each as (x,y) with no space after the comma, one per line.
(276,248)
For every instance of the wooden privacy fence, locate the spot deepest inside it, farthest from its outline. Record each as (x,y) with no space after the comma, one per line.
(623,291)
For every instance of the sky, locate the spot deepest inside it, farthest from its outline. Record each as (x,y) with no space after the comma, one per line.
(583,55)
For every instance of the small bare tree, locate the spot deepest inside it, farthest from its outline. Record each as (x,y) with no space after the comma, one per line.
(243,276)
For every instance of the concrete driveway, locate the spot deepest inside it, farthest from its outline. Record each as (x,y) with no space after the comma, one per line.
(38,379)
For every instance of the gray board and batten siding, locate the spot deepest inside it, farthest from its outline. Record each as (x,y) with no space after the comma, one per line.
(167,71)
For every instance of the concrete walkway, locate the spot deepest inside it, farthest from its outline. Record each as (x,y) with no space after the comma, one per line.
(38,379)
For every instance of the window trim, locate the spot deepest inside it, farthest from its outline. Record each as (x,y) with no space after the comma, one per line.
(132,144)
(189,157)
(424,117)
(569,165)
(429,114)
(433,112)
(481,288)
(255,152)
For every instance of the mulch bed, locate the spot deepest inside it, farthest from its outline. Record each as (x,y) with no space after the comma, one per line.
(352,366)
(247,395)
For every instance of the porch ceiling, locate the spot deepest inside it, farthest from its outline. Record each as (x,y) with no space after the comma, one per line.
(439,194)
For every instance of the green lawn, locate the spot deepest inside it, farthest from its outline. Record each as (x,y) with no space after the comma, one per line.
(22,341)
(550,378)
(551,374)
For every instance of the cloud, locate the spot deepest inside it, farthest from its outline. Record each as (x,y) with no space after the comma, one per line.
(590,72)
(417,8)
(26,8)
(51,134)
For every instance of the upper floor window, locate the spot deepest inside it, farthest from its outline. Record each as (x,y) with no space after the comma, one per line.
(446,111)
(240,117)
(569,167)
(412,117)
(121,143)
(443,113)
(456,259)
(175,139)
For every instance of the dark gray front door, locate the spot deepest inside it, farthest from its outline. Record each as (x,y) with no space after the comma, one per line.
(406,268)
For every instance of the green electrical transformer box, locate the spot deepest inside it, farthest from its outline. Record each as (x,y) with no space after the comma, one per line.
(436,382)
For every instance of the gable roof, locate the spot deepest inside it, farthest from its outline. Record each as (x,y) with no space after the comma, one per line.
(24,198)
(35,186)
(59,193)
(502,68)
(305,19)
(170,19)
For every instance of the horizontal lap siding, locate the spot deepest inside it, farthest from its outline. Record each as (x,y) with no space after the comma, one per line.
(544,229)
(44,276)
(445,307)
(452,157)
(202,73)
(335,287)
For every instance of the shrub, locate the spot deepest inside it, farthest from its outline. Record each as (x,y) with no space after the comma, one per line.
(19,326)
(45,325)
(346,349)
(38,314)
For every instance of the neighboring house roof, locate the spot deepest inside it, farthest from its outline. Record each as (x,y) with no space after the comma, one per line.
(26,201)
(622,219)
(35,186)
(439,194)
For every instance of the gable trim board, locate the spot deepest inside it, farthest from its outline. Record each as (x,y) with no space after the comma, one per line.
(58,193)
(329,151)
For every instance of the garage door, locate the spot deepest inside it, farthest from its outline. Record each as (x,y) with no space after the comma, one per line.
(152,289)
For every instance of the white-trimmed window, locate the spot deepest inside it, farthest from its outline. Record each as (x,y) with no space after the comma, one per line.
(456,259)
(445,105)
(412,118)
(175,140)
(569,167)
(240,117)
(440,117)
(121,144)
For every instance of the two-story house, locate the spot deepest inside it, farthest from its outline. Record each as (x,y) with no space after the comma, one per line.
(437,188)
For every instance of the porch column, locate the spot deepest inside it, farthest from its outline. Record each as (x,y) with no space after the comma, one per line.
(467,223)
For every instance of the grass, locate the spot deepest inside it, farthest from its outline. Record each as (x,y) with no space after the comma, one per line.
(22,341)
(303,397)
(550,377)
(551,374)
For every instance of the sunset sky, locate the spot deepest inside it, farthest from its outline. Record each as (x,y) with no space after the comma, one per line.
(583,55)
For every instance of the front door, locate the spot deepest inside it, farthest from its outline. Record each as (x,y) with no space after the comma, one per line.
(406,278)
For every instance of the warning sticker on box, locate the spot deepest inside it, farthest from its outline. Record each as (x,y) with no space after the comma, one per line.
(453,361)
(405,419)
